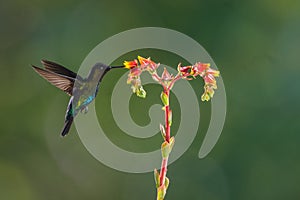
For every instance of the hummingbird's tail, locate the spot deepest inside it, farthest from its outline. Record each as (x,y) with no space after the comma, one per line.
(68,118)
(67,126)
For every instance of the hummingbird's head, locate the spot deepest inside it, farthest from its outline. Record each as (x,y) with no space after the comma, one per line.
(98,71)
(99,67)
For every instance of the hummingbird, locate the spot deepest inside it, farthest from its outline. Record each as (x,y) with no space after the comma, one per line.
(81,90)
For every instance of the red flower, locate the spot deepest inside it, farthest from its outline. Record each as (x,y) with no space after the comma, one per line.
(186,70)
(200,68)
(166,76)
(135,71)
(213,72)
(208,75)
(209,78)
(147,63)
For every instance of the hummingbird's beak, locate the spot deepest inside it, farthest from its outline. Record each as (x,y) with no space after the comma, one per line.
(115,67)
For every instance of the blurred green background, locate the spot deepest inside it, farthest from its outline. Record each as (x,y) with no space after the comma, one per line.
(256,46)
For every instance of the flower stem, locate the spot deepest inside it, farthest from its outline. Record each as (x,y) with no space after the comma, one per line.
(164,162)
(167,113)
(163,170)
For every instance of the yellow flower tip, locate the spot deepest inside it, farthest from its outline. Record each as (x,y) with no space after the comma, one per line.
(211,93)
(130,64)
(206,65)
(205,97)
(215,73)
(192,72)
(178,67)
(140,92)
(126,64)
(142,59)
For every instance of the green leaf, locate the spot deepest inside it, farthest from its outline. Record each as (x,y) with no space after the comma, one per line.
(205,97)
(167,182)
(166,147)
(140,92)
(172,142)
(163,131)
(161,193)
(164,98)
(156,178)
(170,118)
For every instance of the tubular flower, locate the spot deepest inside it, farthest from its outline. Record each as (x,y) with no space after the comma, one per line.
(200,68)
(135,71)
(147,63)
(185,70)
(208,92)
(213,72)
(134,77)
(166,76)
(209,78)
(208,75)
(130,64)
(136,86)
(136,67)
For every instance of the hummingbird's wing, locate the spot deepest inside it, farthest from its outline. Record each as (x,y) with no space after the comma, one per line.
(62,82)
(59,69)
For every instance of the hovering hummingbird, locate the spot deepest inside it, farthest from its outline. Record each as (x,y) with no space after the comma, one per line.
(82,90)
